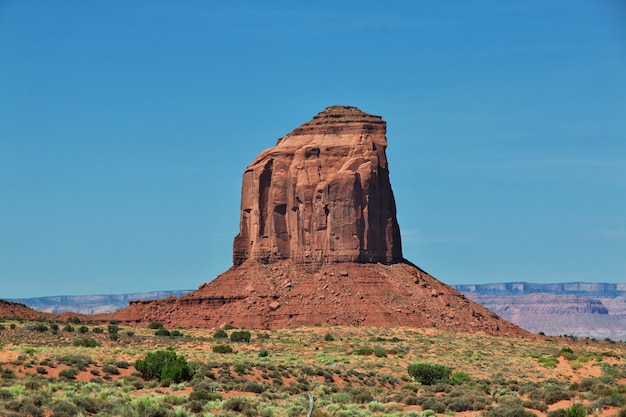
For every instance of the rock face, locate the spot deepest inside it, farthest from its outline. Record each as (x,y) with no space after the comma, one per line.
(580,309)
(319,243)
(321,195)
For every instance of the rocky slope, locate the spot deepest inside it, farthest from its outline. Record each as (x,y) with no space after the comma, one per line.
(595,310)
(283,294)
(11,309)
(319,243)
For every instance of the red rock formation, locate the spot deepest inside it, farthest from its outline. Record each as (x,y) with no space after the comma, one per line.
(283,294)
(10,309)
(321,195)
(319,243)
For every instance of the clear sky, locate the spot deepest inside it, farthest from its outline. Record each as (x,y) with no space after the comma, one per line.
(125,128)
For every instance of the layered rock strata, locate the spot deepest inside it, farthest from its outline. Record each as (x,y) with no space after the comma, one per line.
(283,294)
(321,195)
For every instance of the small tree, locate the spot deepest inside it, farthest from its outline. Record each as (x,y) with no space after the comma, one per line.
(222,349)
(162,332)
(428,374)
(220,334)
(164,365)
(240,336)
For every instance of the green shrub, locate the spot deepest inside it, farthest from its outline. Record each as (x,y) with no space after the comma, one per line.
(361,396)
(63,408)
(155,325)
(435,404)
(380,352)
(576,410)
(220,334)
(264,354)
(229,327)
(329,337)
(68,328)
(204,395)
(548,361)
(113,328)
(110,369)
(376,407)
(164,365)
(222,349)
(240,336)
(510,411)
(364,351)
(79,361)
(69,373)
(83,329)
(238,405)
(559,412)
(460,376)
(98,330)
(39,327)
(86,342)
(252,386)
(428,374)
(162,332)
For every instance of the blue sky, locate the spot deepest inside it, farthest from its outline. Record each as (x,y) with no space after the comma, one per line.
(125,128)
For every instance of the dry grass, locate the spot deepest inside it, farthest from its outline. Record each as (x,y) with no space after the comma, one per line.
(358,371)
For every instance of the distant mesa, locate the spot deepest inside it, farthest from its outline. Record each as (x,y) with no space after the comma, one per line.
(319,244)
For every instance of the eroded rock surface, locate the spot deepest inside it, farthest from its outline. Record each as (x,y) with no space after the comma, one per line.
(319,244)
(283,294)
(321,195)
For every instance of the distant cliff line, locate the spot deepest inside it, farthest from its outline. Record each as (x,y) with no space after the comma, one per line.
(92,304)
(526,288)
(582,309)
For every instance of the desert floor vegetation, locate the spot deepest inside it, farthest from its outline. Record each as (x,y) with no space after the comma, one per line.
(110,369)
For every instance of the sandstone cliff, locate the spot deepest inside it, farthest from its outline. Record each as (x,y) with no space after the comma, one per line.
(321,195)
(596,310)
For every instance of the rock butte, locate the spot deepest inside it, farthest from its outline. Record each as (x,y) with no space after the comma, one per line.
(319,244)
(321,195)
